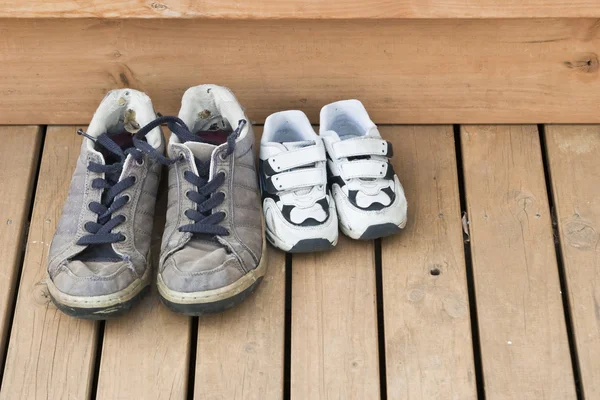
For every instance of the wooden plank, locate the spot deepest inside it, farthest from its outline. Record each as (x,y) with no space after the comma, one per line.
(240,352)
(50,355)
(19,157)
(299,9)
(434,71)
(573,154)
(334,324)
(145,354)
(429,353)
(524,346)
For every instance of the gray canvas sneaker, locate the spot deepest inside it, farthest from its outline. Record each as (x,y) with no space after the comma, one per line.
(99,262)
(213,245)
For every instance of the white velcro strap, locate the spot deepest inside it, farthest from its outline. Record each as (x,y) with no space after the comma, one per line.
(363,169)
(360,147)
(301,178)
(297,158)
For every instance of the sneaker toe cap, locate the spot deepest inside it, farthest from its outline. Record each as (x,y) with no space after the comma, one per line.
(89,279)
(182,273)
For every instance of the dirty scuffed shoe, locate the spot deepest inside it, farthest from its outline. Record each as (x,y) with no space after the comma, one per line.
(213,245)
(369,198)
(98,264)
(299,211)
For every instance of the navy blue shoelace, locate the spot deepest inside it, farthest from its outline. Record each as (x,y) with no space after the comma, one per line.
(206,196)
(205,222)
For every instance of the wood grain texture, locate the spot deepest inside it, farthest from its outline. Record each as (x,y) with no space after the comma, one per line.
(19,157)
(429,352)
(573,154)
(524,346)
(50,355)
(145,354)
(299,9)
(240,352)
(414,71)
(334,324)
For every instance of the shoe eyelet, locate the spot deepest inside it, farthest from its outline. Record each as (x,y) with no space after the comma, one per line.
(128,198)
(90,207)
(222,156)
(123,238)
(187,193)
(224,173)
(134,179)
(140,162)
(225,215)
(181,156)
(224,195)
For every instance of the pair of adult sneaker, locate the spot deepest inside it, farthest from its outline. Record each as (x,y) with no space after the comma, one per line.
(213,248)
(311,183)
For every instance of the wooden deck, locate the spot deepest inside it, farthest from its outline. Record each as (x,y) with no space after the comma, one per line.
(492,291)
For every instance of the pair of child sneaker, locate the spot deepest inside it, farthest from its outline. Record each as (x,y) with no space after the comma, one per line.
(213,247)
(312,183)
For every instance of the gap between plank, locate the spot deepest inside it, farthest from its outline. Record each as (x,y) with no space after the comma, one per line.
(287,341)
(380,320)
(24,239)
(95,376)
(479,382)
(191,381)
(564,289)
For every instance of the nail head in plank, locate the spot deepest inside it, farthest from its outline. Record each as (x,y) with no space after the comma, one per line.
(429,352)
(493,70)
(145,354)
(240,352)
(19,157)
(524,345)
(50,355)
(573,156)
(334,323)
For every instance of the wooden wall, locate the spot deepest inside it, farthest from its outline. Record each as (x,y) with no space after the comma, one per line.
(55,71)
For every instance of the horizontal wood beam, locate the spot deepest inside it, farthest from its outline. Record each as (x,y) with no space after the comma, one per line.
(299,9)
(410,71)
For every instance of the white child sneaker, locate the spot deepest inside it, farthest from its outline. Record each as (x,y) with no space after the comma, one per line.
(299,212)
(369,198)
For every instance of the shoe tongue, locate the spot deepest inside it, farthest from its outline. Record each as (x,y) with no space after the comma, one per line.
(203,152)
(200,150)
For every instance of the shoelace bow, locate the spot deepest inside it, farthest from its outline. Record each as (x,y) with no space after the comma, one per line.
(205,197)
